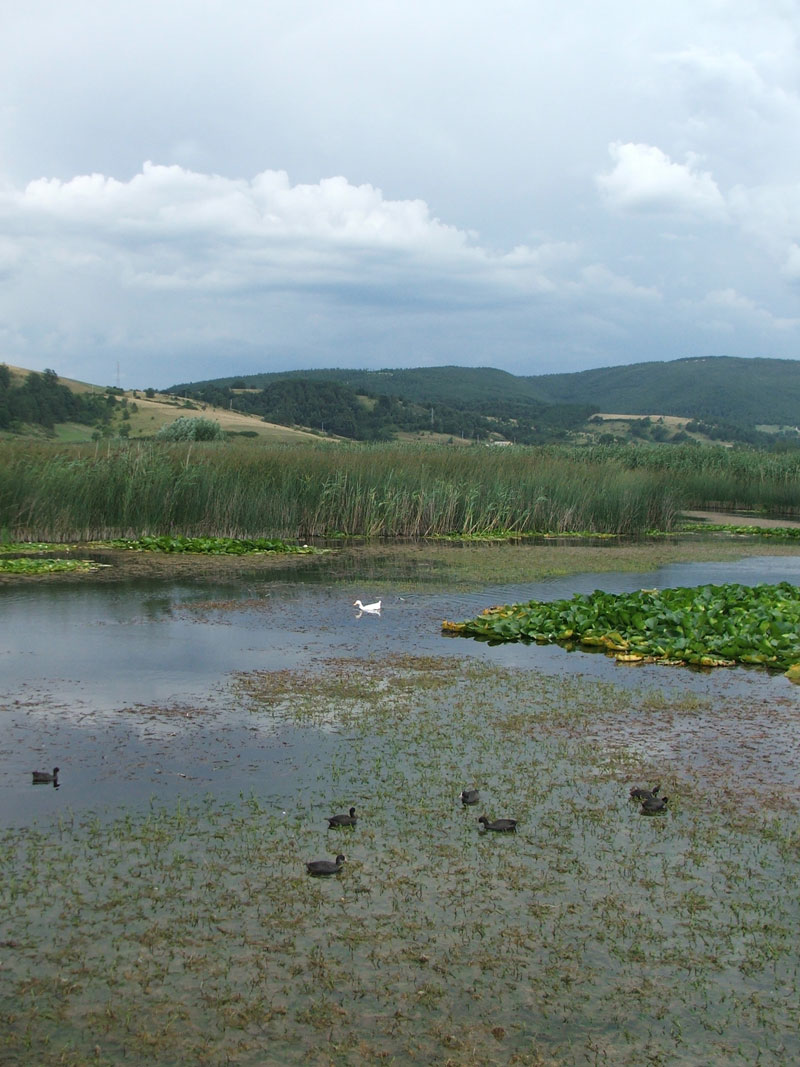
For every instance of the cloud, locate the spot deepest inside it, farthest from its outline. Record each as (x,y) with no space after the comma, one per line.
(645,180)
(599,279)
(737,308)
(169,228)
(169,201)
(351,184)
(770,213)
(175,260)
(722,83)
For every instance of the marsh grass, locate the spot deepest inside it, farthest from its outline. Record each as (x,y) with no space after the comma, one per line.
(78,493)
(190,934)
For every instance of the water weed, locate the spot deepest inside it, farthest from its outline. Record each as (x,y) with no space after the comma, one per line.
(23,565)
(707,625)
(216,546)
(191,933)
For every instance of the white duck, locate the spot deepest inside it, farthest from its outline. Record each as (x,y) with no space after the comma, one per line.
(373,609)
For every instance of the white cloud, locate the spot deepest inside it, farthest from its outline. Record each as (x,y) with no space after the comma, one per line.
(713,75)
(174,259)
(730,85)
(771,213)
(600,279)
(645,180)
(172,228)
(744,309)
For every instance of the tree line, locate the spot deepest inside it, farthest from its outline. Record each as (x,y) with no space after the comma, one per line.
(41,400)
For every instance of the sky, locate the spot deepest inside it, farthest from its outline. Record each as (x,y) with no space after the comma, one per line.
(193,189)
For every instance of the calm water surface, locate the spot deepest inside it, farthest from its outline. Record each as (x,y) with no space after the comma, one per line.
(126,687)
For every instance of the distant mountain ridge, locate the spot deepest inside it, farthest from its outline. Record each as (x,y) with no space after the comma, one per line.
(742,391)
(378,405)
(420,384)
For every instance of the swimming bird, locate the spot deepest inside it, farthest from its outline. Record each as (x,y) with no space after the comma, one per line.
(44,777)
(640,793)
(469,796)
(501,825)
(343,820)
(325,866)
(654,805)
(372,608)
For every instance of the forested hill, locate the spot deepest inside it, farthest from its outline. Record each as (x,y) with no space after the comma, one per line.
(715,389)
(378,405)
(744,392)
(464,387)
(712,398)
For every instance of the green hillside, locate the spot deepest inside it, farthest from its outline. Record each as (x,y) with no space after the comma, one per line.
(464,403)
(743,392)
(463,387)
(43,405)
(717,397)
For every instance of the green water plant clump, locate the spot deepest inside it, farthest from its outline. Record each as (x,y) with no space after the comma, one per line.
(26,565)
(27,546)
(790,533)
(707,625)
(236,546)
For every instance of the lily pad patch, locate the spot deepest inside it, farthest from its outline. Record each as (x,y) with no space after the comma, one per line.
(707,625)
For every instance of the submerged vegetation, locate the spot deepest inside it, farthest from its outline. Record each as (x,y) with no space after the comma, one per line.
(244,490)
(708,625)
(191,933)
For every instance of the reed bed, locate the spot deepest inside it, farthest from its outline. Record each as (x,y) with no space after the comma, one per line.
(717,476)
(80,493)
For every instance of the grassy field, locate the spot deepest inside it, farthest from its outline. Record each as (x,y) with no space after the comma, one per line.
(162,409)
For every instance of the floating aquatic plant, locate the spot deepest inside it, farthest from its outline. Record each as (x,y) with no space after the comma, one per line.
(236,546)
(708,625)
(790,533)
(26,565)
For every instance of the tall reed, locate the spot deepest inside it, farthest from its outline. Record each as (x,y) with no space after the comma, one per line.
(715,475)
(70,493)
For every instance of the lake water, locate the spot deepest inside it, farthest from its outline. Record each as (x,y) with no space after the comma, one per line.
(126,687)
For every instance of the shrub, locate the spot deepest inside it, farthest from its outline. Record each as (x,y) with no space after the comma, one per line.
(191,429)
